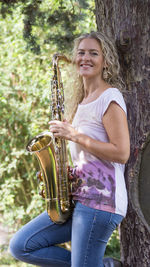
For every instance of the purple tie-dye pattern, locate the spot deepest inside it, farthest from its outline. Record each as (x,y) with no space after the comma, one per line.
(94,185)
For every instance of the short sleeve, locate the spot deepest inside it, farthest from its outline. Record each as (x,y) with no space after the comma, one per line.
(113,95)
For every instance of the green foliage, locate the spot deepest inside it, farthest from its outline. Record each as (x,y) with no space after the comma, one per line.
(24,109)
(51,22)
(113,246)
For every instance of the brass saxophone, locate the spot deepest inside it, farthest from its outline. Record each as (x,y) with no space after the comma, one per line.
(51,153)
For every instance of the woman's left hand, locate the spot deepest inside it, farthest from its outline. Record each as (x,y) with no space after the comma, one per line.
(62,129)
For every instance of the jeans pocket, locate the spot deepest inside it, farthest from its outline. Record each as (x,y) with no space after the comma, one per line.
(115,220)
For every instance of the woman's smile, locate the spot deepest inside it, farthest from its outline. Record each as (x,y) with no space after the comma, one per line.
(85,65)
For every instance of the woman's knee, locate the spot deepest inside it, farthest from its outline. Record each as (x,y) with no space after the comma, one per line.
(16,246)
(19,243)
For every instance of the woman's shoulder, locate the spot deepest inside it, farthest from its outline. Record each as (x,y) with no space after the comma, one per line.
(112,94)
(112,90)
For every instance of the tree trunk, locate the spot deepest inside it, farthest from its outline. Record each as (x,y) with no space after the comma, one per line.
(127,22)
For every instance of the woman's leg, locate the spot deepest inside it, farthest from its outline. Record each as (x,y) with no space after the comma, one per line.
(91,230)
(35,242)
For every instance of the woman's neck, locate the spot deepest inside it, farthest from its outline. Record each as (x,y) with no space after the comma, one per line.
(93,85)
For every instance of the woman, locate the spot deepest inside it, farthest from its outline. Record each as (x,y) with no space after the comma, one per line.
(99,145)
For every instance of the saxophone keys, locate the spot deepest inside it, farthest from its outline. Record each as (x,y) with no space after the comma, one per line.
(39,176)
(42,193)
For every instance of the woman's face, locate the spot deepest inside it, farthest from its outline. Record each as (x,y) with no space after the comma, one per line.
(89,59)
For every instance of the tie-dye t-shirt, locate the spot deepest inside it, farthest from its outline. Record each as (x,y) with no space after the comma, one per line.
(97,183)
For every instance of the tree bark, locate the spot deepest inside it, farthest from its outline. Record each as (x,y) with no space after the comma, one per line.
(127,22)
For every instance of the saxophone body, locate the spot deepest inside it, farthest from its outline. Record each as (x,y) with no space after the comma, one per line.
(51,153)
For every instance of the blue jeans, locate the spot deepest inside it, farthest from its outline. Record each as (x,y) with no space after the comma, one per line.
(88,229)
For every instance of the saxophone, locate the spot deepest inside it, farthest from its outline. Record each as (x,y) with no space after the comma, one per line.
(51,154)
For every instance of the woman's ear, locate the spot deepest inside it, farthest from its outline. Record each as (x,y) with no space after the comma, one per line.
(105,64)
(105,70)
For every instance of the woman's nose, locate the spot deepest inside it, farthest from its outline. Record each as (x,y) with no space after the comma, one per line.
(86,56)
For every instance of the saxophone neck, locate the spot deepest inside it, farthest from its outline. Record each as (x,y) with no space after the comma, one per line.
(57,91)
(57,57)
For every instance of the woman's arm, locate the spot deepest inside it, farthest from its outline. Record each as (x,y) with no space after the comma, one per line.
(115,123)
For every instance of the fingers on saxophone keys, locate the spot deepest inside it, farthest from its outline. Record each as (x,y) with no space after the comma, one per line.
(53,126)
(54,122)
(57,123)
(54,131)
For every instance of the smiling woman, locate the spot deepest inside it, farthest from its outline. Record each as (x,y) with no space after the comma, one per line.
(99,145)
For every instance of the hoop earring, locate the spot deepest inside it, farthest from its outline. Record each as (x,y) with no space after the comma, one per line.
(105,73)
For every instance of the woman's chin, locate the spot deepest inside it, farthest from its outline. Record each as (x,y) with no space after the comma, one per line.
(86,75)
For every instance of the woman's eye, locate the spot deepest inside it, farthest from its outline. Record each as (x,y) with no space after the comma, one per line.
(94,53)
(80,53)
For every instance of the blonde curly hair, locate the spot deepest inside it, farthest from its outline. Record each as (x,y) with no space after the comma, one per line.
(112,63)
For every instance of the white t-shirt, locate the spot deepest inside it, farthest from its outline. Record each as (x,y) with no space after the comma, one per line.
(97,183)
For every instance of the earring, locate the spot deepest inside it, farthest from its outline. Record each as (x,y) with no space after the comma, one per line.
(105,73)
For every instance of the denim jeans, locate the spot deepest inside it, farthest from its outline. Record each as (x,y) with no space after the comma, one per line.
(88,229)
